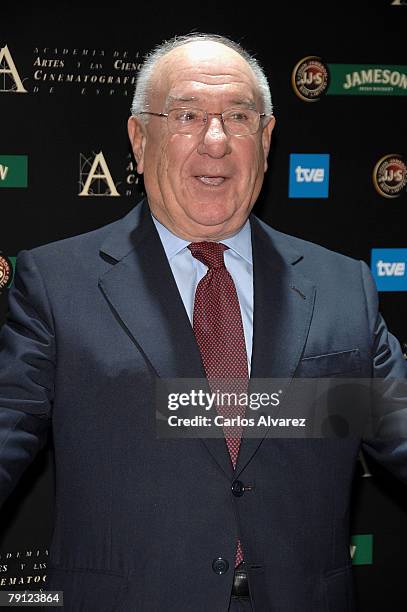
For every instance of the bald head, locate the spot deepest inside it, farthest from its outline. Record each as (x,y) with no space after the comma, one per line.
(207,47)
(182,76)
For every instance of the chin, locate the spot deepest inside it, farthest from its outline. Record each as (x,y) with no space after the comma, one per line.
(212,214)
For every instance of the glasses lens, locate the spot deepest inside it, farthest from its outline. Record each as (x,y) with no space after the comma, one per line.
(185,120)
(241,121)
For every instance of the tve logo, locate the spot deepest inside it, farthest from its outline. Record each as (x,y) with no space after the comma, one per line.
(389,268)
(309,175)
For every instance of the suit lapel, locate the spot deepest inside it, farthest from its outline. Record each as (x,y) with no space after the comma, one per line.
(283,306)
(141,289)
(143,294)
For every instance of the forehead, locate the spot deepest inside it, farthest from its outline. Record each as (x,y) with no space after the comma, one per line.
(204,69)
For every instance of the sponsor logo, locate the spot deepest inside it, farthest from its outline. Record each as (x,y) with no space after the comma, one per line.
(95,178)
(390,175)
(10,80)
(84,70)
(6,271)
(87,71)
(13,170)
(361,549)
(369,80)
(312,78)
(309,175)
(389,269)
(81,70)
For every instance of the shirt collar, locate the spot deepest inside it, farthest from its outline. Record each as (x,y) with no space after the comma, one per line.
(240,242)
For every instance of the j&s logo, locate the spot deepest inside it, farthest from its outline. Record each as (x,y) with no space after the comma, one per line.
(389,269)
(309,175)
(390,175)
(310,78)
(6,271)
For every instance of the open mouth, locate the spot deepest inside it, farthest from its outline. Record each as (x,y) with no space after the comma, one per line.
(214,181)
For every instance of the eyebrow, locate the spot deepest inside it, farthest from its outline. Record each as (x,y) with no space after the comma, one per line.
(249,102)
(171,99)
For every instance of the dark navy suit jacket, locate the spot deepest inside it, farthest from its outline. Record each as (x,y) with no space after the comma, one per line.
(93,321)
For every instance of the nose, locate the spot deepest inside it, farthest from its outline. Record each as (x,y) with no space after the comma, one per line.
(214,140)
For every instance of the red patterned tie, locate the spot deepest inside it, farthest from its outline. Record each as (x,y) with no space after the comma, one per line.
(218,330)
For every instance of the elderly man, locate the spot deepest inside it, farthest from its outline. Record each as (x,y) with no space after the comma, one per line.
(189,284)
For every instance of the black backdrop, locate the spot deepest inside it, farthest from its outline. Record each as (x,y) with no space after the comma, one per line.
(61,124)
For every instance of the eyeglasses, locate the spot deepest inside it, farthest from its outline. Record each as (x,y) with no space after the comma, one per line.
(191,121)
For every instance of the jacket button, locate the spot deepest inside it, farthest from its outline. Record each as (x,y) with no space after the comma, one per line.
(237,488)
(220,566)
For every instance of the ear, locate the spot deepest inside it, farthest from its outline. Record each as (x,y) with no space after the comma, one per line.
(137,134)
(266,139)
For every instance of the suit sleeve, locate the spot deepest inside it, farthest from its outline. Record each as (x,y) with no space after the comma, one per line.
(388,446)
(27,365)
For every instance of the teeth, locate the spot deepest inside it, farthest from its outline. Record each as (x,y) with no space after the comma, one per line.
(212,180)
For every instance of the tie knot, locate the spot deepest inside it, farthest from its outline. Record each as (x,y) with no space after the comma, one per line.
(210,253)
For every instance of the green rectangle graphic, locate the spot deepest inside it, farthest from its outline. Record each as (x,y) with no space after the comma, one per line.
(367,80)
(361,549)
(13,170)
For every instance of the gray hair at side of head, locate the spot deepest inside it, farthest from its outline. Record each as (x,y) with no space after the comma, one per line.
(145,74)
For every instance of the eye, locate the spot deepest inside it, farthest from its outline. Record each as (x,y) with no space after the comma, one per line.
(183,115)
(240,116)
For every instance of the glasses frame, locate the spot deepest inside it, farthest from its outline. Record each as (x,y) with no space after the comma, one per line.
(206,114)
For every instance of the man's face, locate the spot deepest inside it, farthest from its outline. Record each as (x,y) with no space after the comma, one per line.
(201,186)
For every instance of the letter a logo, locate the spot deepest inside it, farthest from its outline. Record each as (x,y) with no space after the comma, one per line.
(98,180)
(9,77)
